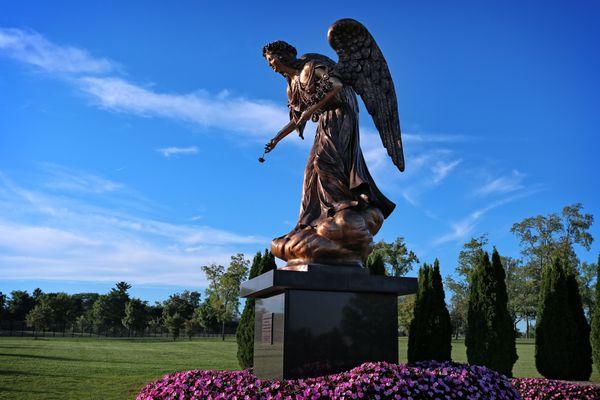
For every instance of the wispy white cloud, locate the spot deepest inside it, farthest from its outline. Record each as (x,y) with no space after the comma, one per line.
(429,138)
(421,179)
(464,227)
(442,169)
(98,78)
(61,178)
(222,110)
(33,49)
(175,151)
(53,235)
(503,184)
(234,114)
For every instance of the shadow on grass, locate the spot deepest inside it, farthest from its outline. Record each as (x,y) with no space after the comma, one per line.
(51,358)
(4,389)
(17,355)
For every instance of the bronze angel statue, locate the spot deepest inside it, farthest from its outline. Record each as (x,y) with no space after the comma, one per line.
(341,207)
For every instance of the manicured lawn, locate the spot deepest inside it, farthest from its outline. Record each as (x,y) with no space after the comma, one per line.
(524,368)
(80,368)
(57,368)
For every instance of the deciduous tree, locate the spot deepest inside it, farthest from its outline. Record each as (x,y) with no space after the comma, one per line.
(19,305)
(40,317)
(136,316)
(174,323)
(459,285)
(406,309)
(224,286)
(398,259)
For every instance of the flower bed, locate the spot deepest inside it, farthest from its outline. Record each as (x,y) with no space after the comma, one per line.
(544,389)
(368,381)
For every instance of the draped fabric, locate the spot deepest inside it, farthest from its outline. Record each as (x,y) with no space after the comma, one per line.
(336,175)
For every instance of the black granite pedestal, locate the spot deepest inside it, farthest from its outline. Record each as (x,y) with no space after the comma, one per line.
(323,320)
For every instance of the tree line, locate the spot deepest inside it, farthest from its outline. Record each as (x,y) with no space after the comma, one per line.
(117,312)
(542,239)
(565,344)
(548,288)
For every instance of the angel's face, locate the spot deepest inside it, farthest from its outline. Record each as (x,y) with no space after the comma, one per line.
(274,62)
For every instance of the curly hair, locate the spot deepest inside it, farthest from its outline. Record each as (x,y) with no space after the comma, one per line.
(284,50)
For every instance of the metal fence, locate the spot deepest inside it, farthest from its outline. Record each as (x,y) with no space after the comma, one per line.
(20,328)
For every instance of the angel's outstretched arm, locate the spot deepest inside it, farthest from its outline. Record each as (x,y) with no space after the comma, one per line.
(336,86)
(286,130)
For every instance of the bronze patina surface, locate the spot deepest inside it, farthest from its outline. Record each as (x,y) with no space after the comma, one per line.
(341,208)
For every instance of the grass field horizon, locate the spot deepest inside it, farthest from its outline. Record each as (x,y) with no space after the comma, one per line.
(90,368)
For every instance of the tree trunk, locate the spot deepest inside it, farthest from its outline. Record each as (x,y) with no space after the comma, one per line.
(223,330)
(527,326)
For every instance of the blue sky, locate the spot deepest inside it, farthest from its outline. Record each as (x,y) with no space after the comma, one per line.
(129,133)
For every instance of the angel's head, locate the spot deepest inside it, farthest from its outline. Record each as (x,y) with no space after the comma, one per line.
(280,55)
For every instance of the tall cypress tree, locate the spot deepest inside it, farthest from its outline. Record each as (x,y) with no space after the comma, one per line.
(503,353)
(490,334)
(245,330)
(581,364)
(430,331)
(595,334)
(442,341)
(562,349)
(268,262)
(478,328)
(417,347)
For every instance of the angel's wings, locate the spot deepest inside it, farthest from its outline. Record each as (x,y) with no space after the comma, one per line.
(362,65)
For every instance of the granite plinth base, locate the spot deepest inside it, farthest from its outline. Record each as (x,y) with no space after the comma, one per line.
(323,320)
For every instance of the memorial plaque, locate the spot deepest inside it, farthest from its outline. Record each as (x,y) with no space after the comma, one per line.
(267,328)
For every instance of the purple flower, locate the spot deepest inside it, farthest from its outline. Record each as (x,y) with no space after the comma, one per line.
(368,381)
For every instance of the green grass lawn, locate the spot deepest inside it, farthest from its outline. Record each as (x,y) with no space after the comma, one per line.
(80,368)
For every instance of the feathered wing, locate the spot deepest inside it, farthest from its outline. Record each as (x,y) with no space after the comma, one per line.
(362,65)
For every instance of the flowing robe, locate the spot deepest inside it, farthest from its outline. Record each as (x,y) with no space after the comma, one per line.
(336,175)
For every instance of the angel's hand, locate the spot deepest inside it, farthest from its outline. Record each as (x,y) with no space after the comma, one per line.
(270,146)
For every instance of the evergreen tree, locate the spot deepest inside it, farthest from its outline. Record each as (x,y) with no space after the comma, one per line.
(582,349)
(490,334)
(595,334)
(376,263)
(245,330)
(562,349)
(268,262)
(503,353)
(430,331)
